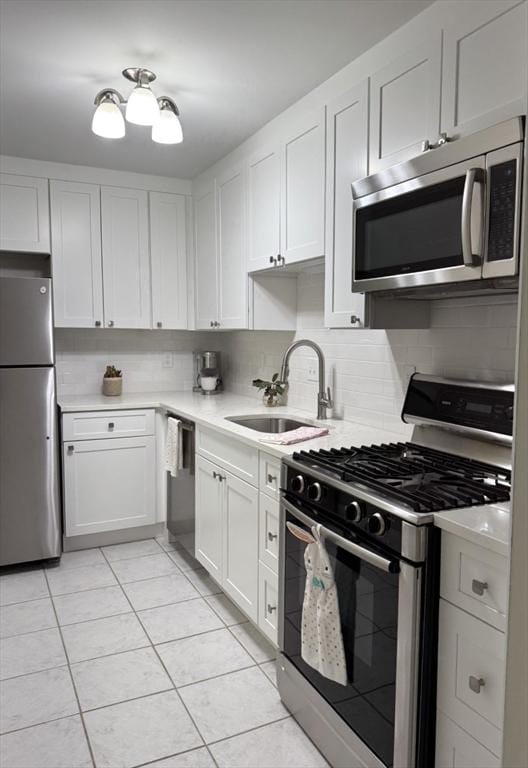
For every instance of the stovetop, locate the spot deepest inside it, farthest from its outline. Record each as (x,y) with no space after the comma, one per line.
(420,478)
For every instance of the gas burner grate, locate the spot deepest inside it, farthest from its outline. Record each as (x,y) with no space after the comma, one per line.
(425,479)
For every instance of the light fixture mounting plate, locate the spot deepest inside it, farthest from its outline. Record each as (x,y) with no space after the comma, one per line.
(133,73)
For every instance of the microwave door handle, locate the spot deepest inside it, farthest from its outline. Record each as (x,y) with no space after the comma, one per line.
(473,176)
(389,566)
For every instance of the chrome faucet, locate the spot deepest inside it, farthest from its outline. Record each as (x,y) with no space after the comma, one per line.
(324,399)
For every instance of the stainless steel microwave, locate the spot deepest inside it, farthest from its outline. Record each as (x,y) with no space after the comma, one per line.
(448,216)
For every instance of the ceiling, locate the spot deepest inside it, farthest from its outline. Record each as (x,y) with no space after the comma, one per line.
(230,65)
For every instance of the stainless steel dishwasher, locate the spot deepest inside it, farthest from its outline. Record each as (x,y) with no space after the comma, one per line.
(180,492)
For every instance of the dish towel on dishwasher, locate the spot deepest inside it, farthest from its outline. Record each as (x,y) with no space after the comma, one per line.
(321,638)
(173,447)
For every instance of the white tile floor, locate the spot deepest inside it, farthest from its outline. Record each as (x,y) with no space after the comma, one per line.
(130,655)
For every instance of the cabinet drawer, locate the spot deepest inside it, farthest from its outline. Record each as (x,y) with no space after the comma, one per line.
(269,532)
(270,469)
(471,670)
(268,603)
(234,455)
(98,425)
(457,749)
(475,579)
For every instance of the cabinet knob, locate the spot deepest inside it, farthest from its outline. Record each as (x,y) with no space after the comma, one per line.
(217,324)
(273,260)
(355,320)
(479,587)
(211,324)
(281,259)
(272,536)
(159,324)
(71,449)
(97,323)
(215,475)
(476,683)
(271,478)
(111,425)
(110,323)
(271,608)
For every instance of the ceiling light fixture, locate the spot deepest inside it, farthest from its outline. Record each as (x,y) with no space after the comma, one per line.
(142,108)
(167,128)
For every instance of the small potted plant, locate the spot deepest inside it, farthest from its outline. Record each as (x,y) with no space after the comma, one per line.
(112,381)
(273,390)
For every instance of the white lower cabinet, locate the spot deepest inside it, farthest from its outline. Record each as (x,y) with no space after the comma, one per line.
(109,484)
(241,543)
(268,602)
(237,529)
(209,517)
(457,749)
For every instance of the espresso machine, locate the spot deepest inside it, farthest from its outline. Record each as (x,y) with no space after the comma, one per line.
(207,373)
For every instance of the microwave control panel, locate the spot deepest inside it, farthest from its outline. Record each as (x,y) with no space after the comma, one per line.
(501,238)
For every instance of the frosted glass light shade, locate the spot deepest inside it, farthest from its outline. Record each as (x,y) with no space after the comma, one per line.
(167,128)
(108,121)
(142,107)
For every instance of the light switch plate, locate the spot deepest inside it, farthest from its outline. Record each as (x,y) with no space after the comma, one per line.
(312,374)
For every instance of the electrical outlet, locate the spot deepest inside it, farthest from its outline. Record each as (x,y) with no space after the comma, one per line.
(312,373)
(168,360)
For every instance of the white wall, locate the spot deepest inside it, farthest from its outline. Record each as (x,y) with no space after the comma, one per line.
(82,355)
(369,370)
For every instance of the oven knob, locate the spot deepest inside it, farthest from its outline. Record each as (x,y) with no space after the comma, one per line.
(376,524)
(297,484)
(353,512)
(315,492)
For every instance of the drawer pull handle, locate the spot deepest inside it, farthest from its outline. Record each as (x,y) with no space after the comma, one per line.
(111,425)
(215,475)
(479,587)
(271,608)
(272,478)
(476,683)
(71,449)
(272,536)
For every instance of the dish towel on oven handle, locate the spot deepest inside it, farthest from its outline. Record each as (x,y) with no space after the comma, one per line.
(321,638)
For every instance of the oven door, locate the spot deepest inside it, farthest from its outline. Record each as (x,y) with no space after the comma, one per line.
(380,618)
(425,231)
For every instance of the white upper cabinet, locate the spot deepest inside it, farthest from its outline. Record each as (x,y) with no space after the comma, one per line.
(76,254)
(168,257)
(264,205)
(24,214)
(126,267)
(485,66)
(405,105)
(347,159)
(206,279)
(232,249)
(303,190)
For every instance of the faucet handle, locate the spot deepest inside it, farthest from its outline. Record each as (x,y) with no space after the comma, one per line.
(325,398)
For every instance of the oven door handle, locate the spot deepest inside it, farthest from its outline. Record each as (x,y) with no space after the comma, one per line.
(473,176)
(389,566)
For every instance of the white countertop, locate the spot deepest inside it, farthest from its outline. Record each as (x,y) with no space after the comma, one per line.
(487,526)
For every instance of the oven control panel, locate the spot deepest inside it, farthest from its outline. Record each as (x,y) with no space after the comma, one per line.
(346,511)
(489,409)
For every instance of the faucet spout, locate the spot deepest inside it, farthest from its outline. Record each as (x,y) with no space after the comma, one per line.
(324,398)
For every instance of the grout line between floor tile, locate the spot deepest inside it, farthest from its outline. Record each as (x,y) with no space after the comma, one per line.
(92,758)
(249,730)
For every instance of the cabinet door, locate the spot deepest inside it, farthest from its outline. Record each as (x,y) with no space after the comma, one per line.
(209,516)
(232,250)
(405,105)
(240,579)
(303,190)
(24,214)
(268,602)
(76,254)
(263,209)
(168,258)
(347,157)
(206,274)
(126,267)
(109,484)
(457,749)
(484,75)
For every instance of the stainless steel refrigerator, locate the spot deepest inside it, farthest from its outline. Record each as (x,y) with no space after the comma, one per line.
(30,518)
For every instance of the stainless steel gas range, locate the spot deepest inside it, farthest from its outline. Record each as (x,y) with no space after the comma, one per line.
(374,509)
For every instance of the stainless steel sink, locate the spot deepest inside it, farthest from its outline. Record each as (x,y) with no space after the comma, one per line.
(269,424)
